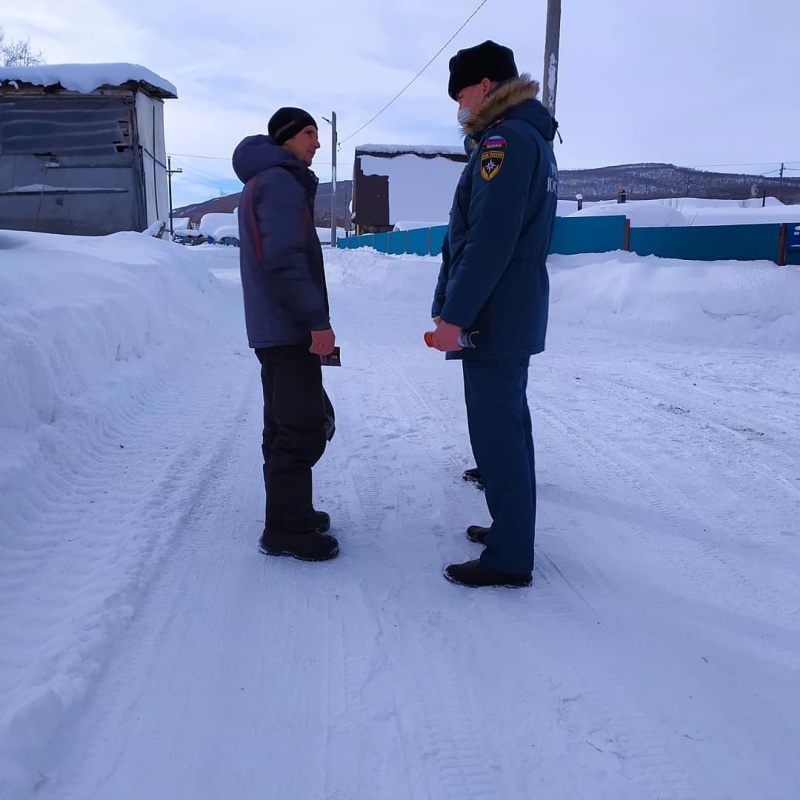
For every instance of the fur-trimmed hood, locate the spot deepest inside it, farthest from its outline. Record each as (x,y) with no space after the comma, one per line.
(521,91)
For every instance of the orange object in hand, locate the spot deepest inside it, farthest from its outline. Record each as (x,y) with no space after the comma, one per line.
(466,339)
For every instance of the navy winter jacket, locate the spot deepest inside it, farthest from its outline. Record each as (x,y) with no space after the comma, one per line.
(283,276)
(493,277)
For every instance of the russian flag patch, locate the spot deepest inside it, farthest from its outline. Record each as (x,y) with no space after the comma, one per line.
(494,142)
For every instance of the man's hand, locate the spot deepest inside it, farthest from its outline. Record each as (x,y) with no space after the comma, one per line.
(445,337)
(322,342)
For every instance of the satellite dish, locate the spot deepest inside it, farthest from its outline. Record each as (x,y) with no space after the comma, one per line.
(754,190)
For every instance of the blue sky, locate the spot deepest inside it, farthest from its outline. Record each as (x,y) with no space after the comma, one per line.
(708,83)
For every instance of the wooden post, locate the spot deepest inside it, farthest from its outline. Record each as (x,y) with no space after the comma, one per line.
(550,72)
(782,245)
(627,245)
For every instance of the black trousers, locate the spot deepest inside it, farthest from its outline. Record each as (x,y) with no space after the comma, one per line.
(296,419)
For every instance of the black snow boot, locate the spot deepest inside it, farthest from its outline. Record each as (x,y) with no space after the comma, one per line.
(309,546)
(477,534)
(322,521)
(474,574)
(474,476)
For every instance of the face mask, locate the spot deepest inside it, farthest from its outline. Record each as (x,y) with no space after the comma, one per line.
(463,115)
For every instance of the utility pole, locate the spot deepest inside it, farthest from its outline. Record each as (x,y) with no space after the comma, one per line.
(550,72)
(334,145)
(170,173)
(780,184)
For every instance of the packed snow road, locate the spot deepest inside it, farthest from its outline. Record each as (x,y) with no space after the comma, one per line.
(655,657)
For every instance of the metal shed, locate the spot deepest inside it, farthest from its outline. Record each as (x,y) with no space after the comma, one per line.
(82,148)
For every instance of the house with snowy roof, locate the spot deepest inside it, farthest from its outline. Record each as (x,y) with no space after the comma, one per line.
(402,186)
(82,148)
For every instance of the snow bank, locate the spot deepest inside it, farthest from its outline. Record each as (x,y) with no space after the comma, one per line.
(727,302)
(90,329)
(681,212)
(642,214)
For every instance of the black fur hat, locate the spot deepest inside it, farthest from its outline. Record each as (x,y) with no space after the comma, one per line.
(488,60)
(287,122)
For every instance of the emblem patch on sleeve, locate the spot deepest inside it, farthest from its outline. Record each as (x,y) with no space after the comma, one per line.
(491,161)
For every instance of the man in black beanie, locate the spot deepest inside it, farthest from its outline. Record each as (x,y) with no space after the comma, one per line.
(288,326)
(493,281)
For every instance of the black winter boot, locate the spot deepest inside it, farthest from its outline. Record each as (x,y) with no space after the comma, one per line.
(474,574)
(477,534)
(474,476)
(322,521)
(310,546)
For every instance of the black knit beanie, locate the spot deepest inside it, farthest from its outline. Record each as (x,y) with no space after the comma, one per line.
(287,122)
(488,60)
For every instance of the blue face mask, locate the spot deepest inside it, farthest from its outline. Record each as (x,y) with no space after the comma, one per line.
(463,115)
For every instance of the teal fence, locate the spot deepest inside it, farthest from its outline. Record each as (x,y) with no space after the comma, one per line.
(709,243)
(572,235)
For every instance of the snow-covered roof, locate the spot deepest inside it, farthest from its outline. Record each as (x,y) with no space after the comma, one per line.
(410,149)
(85,78)
(214,221)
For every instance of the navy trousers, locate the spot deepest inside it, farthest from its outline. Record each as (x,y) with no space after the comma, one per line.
(502,442)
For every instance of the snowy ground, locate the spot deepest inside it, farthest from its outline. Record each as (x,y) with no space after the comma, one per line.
(149,650)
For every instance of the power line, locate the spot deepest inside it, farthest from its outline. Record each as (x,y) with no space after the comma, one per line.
(370,121)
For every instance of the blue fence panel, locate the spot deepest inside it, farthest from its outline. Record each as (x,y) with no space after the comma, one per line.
(418,241)
(397,242)
(573,235)
(793,243)
(380,241)
(437,239)
(709,243)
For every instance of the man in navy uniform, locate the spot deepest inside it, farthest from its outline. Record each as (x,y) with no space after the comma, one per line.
(494,280)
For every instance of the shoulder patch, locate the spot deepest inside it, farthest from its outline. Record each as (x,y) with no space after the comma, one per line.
(491,161)
(494,142)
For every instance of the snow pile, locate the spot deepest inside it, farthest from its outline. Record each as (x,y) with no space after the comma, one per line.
(643,214)
(219,224)
(731,302)
(681,212)
(90,329)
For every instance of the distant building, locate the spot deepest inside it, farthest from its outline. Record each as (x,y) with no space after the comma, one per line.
(82,148)
(393,184)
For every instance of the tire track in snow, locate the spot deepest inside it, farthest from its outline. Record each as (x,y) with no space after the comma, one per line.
(107,510)
(632,478)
